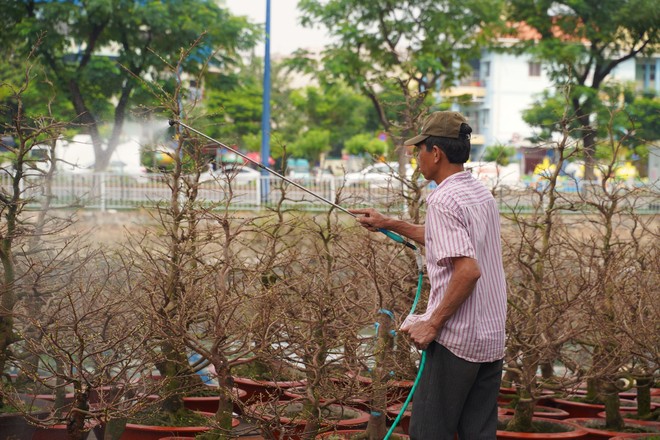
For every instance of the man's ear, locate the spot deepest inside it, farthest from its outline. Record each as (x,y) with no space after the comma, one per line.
(438,154)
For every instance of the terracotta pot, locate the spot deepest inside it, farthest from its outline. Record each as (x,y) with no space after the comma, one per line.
(596,428)
(58,432)
(655,402)
(341,435)
(210,404)
(147,432)
(294,426)
(582,409)
(95,395)
(626,417)
(626,436)
(546,412)
(263,390)
(404,423)
(397,390)
(14,425)
(104,393)
(572,430)
(393,412)
(299,393)
(507,394)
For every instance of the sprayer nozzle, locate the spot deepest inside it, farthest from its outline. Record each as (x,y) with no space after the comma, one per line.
(172,122)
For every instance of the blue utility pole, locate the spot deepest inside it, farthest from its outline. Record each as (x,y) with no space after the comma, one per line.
(265,115)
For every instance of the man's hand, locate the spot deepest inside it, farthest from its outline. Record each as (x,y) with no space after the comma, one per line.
(370,218)
(422,333)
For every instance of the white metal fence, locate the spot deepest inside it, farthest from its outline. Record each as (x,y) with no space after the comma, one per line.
(121,191)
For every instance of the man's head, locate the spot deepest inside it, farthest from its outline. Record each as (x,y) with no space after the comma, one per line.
(448,131)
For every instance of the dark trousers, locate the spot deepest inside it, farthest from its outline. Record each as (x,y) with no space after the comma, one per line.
(455,396)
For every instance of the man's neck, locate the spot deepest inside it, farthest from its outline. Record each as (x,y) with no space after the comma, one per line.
(449,170)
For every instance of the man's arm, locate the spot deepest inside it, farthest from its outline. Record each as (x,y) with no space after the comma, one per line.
(373,221)
(460,287)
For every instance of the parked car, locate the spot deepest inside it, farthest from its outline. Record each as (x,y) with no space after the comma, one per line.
(237,173)
(379,174)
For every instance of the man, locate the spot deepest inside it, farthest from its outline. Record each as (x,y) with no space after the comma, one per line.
(462,329)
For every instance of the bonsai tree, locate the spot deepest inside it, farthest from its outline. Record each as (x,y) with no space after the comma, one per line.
(59,317)
(319,307)
(542,291)
(390,277)
(209,270)
(86,339)
(614,256)
(28,182)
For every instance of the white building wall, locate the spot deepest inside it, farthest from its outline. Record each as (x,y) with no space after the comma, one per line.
(509,91)
(624,71)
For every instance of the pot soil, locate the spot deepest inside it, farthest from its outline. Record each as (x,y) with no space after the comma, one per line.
(544,429)
(546,412)
(135,431)
(209,404)
(354,434)
(631,416)
(596,428)
(577,408)
(397,390)
(263,390)
(297,393)
(287,419)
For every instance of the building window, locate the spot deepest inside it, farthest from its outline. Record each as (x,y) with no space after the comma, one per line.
(486,69)
(485,116)
(534,69)
(645,75)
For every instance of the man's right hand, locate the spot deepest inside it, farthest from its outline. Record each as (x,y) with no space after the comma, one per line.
(370,218)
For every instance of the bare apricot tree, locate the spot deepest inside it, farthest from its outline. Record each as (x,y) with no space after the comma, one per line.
(541,288)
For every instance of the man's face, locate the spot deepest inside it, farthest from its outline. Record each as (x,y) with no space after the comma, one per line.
(424,158)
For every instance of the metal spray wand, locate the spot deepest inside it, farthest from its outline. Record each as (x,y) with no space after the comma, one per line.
(390,234)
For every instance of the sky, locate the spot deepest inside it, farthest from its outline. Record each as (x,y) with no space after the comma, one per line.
(286,34)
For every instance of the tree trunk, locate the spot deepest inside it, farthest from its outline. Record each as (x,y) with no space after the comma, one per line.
(223,416)
(86,117)
(644,396)
(522,417)
(75,427)
(103,160)
(376,427)
(613,417)
(547,372)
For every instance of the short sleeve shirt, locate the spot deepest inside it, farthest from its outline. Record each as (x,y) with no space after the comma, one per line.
(463,221)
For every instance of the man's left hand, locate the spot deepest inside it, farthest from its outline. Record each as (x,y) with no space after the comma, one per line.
(422,333)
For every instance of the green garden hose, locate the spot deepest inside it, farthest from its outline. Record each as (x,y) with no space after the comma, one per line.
(422,361)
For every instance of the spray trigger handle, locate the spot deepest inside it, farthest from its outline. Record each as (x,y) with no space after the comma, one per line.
(397,238)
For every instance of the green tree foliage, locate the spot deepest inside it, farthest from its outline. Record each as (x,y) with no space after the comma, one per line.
(96,51)
(310,145)
(366,143)
(619,111)
(335,108)
(399,53)
(500,154)
(38,93)
(581,42)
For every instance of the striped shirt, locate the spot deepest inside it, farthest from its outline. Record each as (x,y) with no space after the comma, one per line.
(463,220)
